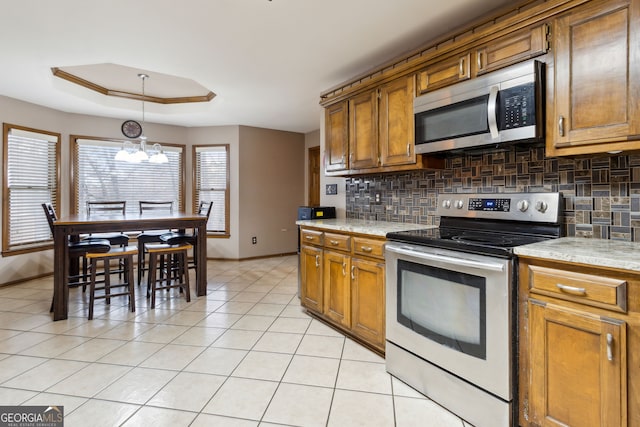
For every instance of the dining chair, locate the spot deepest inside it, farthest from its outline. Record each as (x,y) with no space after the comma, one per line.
(115,208)
(112,208)
(181,237)
(169,262)
(125,256)
(106,207)
(150,236)
(76,250)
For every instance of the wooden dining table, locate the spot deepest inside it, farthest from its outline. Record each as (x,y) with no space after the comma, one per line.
(72,226)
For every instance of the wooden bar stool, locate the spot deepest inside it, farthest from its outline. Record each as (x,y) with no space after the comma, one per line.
(124,254)
(170,261)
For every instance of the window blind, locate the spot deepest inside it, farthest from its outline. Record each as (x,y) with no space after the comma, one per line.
(31,179)
(99,177)
(211,184)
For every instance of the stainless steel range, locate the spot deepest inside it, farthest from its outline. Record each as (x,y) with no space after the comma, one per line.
(451,303)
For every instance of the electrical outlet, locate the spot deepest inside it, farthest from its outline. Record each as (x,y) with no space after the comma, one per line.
(254,240)
(377,198)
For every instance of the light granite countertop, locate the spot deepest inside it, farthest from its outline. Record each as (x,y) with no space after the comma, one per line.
(596,252)
(373,228)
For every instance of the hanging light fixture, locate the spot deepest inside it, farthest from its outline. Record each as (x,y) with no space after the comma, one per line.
(132,129)
(158,156)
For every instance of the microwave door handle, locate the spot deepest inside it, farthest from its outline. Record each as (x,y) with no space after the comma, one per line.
(492,116)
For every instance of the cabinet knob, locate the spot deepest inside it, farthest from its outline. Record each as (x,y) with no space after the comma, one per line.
(353,275)
(317,261)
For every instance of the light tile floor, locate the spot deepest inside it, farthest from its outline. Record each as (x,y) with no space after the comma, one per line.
(244,355)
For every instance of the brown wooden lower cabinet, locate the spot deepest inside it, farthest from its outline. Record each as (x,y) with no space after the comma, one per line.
(579,345)
(367,296)
(311,292)
(578,367)
(337,288)
(342,279)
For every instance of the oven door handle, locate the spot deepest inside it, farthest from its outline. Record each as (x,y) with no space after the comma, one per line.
(446,258)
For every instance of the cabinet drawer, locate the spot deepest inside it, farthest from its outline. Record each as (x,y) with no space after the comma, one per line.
(586,289)
(311,237)
(368,247)
(337,241)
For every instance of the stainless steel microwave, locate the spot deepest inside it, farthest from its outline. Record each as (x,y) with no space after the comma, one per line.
(503,106)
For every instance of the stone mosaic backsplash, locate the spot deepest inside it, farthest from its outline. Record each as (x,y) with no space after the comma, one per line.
(601,194)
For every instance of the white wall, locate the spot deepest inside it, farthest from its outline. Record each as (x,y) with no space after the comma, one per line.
(271,189)
(266,213)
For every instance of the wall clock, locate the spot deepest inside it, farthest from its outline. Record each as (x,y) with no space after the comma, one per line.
(131,129)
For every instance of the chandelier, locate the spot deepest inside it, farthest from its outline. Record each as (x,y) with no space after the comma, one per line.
(135,154)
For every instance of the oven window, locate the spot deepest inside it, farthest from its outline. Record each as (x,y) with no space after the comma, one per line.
(445,306)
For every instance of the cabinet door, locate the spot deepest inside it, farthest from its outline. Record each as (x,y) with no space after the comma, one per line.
(337,293)
(367,300)
(444,73)
(597,79)
(311,295)
(512,48)
(336,131)
(363,130)
(395,118)
(578,368)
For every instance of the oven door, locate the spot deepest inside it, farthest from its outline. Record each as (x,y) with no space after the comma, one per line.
(453,310)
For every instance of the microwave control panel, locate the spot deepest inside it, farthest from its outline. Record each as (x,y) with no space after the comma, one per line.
(517,106)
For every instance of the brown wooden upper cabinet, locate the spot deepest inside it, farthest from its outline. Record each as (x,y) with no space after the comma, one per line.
(594,105)
(510,49)
(444,73)
(363,130)
(373,129)
(336,137)
(381,126)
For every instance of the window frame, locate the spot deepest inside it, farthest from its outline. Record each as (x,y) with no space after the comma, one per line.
(7,248)
(73,140)
(195,187)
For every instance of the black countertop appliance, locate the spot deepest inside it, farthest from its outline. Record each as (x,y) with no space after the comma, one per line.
(316,212)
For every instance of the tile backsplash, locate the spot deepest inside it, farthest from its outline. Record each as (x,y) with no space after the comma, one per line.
(601,194)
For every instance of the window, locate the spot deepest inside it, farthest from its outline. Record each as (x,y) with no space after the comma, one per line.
(211,184)
(31,178)
(97,176)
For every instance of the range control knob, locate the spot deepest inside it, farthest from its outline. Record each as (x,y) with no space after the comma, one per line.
(446,204)
(541,206)
(522,205)
(459,204)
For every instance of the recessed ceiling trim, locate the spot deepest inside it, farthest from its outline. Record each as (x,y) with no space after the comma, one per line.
(57,72)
